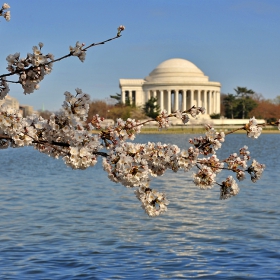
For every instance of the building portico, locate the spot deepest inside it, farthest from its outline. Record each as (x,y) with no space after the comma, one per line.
(177,84)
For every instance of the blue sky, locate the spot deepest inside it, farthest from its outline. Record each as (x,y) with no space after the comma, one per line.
(234,42)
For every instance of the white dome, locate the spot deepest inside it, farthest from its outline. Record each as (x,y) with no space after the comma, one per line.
(176,70)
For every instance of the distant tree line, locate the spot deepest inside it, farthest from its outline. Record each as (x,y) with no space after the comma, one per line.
(245,103)
(113,108)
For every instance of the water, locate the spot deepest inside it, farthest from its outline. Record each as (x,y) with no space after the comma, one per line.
(56,223)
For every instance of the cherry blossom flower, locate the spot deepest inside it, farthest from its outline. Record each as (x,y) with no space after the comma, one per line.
(204,178)
(78,51)
(4,88)
(153,202)
(120,29)
(228,188)
(253,130)
(5,14)
(32,69)
(255,170)
(5,6)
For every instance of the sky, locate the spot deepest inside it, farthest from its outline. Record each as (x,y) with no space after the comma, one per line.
(234,42)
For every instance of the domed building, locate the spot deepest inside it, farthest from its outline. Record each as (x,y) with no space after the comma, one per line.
(177,84)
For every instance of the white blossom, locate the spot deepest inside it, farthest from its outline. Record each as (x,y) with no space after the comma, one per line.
(78,51)
(204,178)
(153,202)
(228,188)
(253,130)
(4,88)
(5,6)
(255,170)
(7,16)
(31,69)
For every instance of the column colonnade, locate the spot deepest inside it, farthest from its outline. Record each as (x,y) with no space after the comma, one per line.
(172,100)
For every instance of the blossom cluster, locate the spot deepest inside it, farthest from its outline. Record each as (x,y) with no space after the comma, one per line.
(255,170)
(30,69)
(210,142)
(121,131)
(204,178)
(65,134)
(163,120)
(78,51)
(228,188)
(195,111)
(208,168)
(4,88)
(238,164)
(120,29)
(4,13)
(153,202)
(252,128)
(134,164)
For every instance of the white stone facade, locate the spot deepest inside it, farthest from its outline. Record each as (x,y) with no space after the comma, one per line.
(10,102)
(177,84)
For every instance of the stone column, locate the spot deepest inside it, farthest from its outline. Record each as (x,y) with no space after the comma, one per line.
(176,100)
(191,98)
(123,97)
(148,96)
(168,101)
(205,100)
(218,102)
(161,100)
(210,103)
(214,102)
(146,92)
(155,96)
(184,100)
(198,104)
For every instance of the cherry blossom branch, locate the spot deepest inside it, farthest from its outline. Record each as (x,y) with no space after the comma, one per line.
(51,144)
(72,53)
(4,13)
(33,68)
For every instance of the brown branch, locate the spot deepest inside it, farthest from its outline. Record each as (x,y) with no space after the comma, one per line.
(5,137)
(234,130)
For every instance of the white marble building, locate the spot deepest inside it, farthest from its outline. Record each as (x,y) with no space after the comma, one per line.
(10,101)
(177,84)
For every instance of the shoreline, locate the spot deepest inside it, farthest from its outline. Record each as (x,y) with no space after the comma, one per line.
(197,130)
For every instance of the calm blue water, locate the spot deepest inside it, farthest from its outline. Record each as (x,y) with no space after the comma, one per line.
(56,223)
